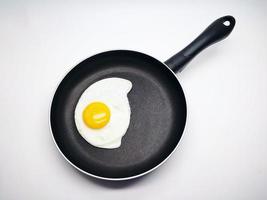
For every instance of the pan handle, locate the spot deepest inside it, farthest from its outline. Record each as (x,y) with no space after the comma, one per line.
(215,32)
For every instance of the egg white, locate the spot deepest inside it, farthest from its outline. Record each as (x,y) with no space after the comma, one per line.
(112,92)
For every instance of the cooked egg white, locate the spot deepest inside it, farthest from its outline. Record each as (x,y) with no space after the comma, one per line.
(102,114)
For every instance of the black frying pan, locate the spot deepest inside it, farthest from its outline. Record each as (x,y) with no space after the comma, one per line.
(157,101)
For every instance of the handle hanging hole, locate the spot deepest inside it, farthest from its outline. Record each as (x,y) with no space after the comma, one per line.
(226,23)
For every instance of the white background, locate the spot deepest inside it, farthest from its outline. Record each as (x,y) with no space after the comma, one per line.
(223,152)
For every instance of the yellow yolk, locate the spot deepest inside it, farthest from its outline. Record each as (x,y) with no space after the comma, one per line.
(96,115)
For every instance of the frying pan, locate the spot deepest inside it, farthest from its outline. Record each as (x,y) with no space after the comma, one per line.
(157,101)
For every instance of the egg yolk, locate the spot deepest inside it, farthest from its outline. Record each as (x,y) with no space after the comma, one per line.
(96,115)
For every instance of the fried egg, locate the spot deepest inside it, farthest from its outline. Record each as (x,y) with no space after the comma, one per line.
(102,114)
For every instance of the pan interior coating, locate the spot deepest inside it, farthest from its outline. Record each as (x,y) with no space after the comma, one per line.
(158,115)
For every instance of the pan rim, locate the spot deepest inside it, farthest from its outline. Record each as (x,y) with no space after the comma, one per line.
(102,177)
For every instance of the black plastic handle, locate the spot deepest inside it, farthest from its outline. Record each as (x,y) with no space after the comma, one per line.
(215,32)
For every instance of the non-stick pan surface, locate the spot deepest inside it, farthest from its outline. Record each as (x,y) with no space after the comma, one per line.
(158,114)
(157,101)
